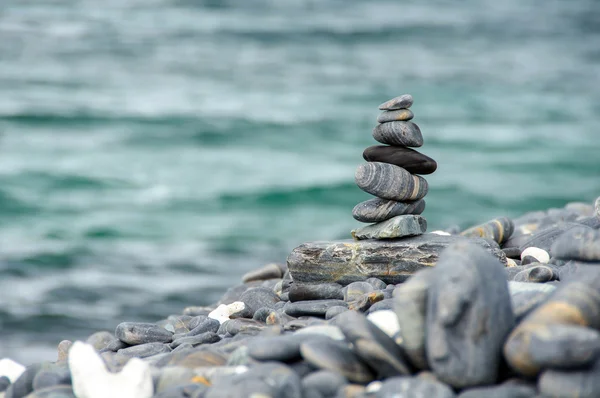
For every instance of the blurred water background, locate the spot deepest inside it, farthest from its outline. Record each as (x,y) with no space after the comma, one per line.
(152,151)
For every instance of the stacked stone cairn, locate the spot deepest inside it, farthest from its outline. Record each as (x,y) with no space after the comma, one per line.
(390,175)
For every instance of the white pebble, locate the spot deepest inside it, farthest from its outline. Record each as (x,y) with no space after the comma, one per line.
(91,379)
(224,311)
(510,263)
(443,233)
(385,320)
(540,255)
(374,386)
(331,331)
(11,369)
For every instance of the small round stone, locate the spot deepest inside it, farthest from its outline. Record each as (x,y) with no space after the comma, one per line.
(387,181)
(399,134)
(409,159)
(403,101)
(540,255)
(398,115)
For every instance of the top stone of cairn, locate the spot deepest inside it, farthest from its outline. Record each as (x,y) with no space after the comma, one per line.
(404,101)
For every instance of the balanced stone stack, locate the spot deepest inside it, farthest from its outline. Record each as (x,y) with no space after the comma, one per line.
(390,175)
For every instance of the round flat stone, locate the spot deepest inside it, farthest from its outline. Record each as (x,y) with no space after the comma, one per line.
(397,227)
(331,355)
(409,159)
(387,181)
(399,115)
(403,101)
(377,210)
(398,133)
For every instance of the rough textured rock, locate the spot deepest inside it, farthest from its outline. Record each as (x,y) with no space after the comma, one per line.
(397,227)
(387,181)
(399,133)
(377,209)
(469,315)
(392,261)
(410,160)
(403,101)
(399,115)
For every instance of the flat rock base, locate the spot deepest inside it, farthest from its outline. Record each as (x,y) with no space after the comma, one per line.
(391,260)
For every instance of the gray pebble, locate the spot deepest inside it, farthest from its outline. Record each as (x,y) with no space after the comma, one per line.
(581,244)
(312,307)
(241,325)
(545,238)
(52,377)
(317,291)
(377,209)
(207,325)
(398,115)
(499,230)
(396,227)
(269,271)
(501,391)
(403,101)
(413,387)
(58,391)
(584,383)
(334,311)
(204,338)
(145,350)
(536,274)
(139,333)
(324,382)
(24,384)
(4,383)
(387,181)
(356,289)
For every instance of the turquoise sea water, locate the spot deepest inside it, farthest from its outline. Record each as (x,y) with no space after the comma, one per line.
(152,151)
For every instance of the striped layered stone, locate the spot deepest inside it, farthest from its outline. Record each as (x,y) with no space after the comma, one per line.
(399,134)
(377,209)
(400,102)
(397,115)
(387,181)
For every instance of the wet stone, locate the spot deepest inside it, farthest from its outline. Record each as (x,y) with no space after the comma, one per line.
(323,383)
(513,271)
(403,101)
(337,357)
(262,314)
(269,271)
(387,181)
(377,210)
(410,160)
(321,291)
(581,244)
(397,227)
(392,261)
(469,315)
(364,302)
(139,333)
(373,345)
(410,305)
(584,383)
(285,348)
(398,115)
(312,307)
(536,274)
(145,350)
(335,311)
(498,229)
(575,303)
(204,338)
(356,289)
(413,387)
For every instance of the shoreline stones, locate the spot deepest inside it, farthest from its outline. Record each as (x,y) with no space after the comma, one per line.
(391,176)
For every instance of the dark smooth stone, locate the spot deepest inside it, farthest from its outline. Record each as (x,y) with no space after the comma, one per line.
(512,252)
(413,387)
(410,160)
(255,298)
(524,302)
(581,244)
(398,115)
(377,283)
(178,323)
(373,346)
(387,181)
(498,229)
(335,311)
(204,338)
(574,303)
(392,261)
(403,101)
(320,291)
(269,271)
(58,391)
(385,304)
(284,348)
(241,325)
(399,134)
(4,383)
(145,350)
(537,274)
(312,307)
(377,209)
(469,315)
(592,222)
(501,391)
(271,379)
(574,269)
(397,227)
(324,382)
(262,314)
(511,272)
(526,260)
(584,383)
(545,238)
(48,378)
(24,384)
(331,355)
(356,289)
(206,325)
(139,333)
(115,345)
(410,305)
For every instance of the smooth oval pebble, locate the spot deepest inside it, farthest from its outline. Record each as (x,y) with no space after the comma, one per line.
(377,209)
(320,291)
(144,350)
(325,382)
(413,387)
(312,307)
(581,244)
(537,274)
(356,289)
(387,181)
(501,391)
(584,383)
(409,159)
(498,229)
(204,338)
(334,311)
(403,101)
(138,333)
(269,271)
(540,255)
(331,355)
(396,227)
(398,115)
(399,134)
